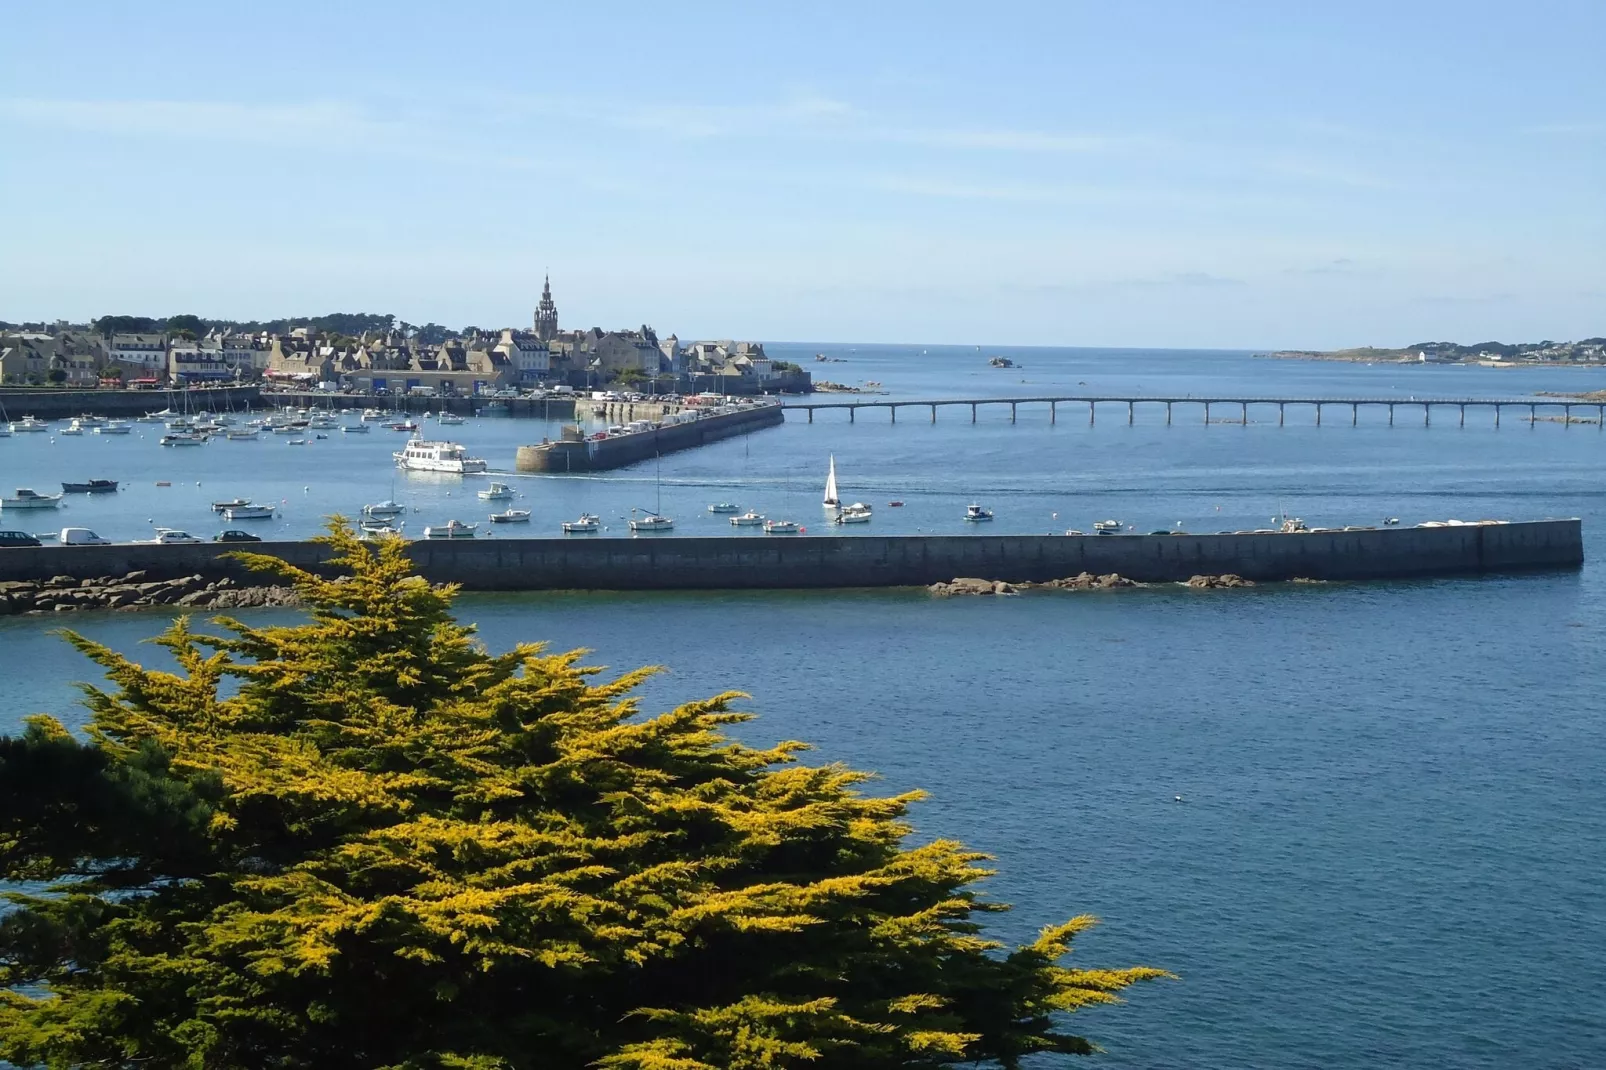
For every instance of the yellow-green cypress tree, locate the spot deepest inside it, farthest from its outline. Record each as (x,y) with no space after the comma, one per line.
(364,841)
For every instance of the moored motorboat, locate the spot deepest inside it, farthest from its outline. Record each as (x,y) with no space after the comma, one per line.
(113,427)
(28,424)
(857,513)
(452,529)
(354,429)
(229,503)
(449,419)
(74,428)
(749,519)
(589,523)
(93,486)
(30,499)
(384,509)
(247,434)
(248,512)
(403,425)
(496,492)
(895,504)
(724,507)
(511,516)
(1107,527)
(975,512)
(781,527)
(183,438)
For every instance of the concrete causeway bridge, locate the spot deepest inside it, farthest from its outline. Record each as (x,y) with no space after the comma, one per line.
(1052,405)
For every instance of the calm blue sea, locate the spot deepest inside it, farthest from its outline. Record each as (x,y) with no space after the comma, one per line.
(1389,846)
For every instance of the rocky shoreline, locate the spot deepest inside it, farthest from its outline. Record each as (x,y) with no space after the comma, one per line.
(135,590)
(1085,581)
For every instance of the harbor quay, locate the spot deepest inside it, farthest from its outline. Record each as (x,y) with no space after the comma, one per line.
(645,438)
(704,563)
(65,404)
(1206,404)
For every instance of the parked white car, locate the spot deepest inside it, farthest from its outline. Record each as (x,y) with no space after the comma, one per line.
(81,537)
(165,536)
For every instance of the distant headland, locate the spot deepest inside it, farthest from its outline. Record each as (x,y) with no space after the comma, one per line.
(1589,352)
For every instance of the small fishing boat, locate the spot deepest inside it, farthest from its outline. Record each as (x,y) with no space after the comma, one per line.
(372,416)
(511,516)
(374,529)
(588,524)
(93,486)
(30,499)
(384,509)
(496,492)
(248,434)
(354,429)
(857,513)
(230,503)
(780,527)
(724,507)
(248,512)
(452,529)
(895,505)
(28,424)
(183,438)
(403,426)
(448,419)
(1107,527)
(1391,521)
(295,442)
(749,519)
(113,427)
(74,428)
(975,512)
(651,522)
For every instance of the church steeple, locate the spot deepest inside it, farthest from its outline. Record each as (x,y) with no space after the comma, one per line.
(546,314)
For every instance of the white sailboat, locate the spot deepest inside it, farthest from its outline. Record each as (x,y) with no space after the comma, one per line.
(831,499)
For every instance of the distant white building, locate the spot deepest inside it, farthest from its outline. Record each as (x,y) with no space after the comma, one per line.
(140,356)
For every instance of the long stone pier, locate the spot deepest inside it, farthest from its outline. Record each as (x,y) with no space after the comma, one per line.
(1050,406)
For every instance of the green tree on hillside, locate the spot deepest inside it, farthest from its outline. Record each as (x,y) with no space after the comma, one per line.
(365,841)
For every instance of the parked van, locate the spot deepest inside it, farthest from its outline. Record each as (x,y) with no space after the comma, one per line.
(81,537)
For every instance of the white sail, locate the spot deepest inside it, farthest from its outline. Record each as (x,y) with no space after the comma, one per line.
(830,484)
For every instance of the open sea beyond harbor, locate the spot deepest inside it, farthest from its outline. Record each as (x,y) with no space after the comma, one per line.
(1365,824)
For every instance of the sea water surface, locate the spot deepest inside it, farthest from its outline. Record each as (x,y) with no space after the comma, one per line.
(1388,845)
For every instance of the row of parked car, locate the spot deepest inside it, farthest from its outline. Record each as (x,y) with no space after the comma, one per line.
(86,537)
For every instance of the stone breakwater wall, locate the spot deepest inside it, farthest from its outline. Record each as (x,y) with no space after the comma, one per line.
(824,561)
(1084,581)
(137,590)
(616,451)
(65,404)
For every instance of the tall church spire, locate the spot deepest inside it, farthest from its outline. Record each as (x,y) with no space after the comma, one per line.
(546,314)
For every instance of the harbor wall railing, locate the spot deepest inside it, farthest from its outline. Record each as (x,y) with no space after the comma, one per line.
(667,562)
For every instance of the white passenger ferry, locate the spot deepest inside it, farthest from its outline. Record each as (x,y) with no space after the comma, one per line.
(421,456)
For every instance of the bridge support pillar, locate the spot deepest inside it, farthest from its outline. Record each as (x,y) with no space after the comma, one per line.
(1463,416)
(1053,412)
(972,412)
(1391,414)
(1282,413)
(1092,407)
(1243,411)
(894,410)
(1318,414)
(1131,408)
(1168,414)
(1012,412)
(1533,416)
(1427,415)
(1600,417)
(1354,415)
(1566,416)
(811,414)
(1497,415)
(853,410)
(1207,412)
(934,414)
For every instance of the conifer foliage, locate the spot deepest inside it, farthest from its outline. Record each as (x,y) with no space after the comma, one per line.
(365,841)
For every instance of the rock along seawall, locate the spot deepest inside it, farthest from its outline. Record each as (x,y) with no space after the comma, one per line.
(669,563)
(575,454)
(65,404)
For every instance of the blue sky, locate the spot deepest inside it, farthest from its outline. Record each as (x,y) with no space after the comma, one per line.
(1143,174)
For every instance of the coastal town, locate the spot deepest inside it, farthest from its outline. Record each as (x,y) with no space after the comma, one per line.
(1587,352)
(384,355)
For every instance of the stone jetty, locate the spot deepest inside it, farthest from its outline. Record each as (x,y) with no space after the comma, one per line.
(1084,581)
(135,590)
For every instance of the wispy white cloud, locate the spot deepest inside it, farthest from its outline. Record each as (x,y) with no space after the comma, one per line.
(320,123)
